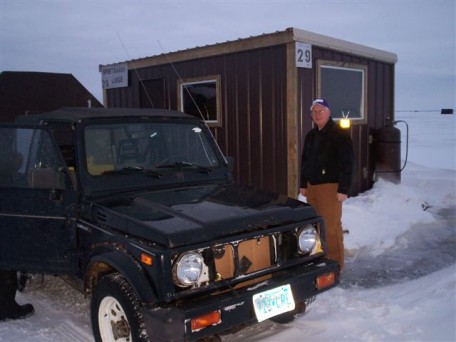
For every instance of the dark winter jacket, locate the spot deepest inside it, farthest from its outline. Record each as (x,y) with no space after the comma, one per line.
(327,157)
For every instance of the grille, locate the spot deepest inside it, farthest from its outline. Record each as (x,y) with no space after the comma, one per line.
(243,258)
(254,260)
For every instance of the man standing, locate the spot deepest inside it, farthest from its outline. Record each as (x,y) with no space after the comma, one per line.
(326,174)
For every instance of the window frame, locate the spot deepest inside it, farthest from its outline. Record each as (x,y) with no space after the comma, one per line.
(322,64)
(200,80)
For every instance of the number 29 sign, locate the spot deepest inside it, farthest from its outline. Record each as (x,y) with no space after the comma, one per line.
(303,55)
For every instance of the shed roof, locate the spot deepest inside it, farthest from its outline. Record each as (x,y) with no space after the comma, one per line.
(268,39)
(344,46)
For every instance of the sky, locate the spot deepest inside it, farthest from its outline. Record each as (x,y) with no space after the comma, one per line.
(67,36)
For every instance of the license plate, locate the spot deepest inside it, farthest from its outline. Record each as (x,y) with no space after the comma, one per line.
(273,302)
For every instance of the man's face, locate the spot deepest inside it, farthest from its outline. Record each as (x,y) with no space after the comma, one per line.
(320,115)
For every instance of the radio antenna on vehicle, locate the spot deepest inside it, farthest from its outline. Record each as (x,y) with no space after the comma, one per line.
(136,71)
(182,81)
(191,97)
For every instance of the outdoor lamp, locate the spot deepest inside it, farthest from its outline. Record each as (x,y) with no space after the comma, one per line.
(345,121)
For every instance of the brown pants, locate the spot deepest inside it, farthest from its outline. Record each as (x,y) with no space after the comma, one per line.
(324,199)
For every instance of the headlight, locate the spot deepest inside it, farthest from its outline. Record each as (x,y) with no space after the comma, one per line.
(188,269)
(307,239)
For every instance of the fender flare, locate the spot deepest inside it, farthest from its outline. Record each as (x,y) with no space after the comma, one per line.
(129,268)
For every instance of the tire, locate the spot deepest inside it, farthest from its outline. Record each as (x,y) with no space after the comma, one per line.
(115,311)
(284,318)
(289,317)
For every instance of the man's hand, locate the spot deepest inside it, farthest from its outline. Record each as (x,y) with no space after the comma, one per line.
(341,197)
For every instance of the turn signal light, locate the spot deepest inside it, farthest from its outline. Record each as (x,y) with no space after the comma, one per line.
(206,320)
(147,259)
(325,280)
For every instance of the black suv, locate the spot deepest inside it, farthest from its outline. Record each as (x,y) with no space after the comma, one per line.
(140,209)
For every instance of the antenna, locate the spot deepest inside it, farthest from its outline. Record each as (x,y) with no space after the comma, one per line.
(136,71)
(194,102)
(182,81)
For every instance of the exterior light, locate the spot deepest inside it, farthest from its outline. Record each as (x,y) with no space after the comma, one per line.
(206,320)
(345,121)
(147,259)
(325,280)
(307,239)
(188,269)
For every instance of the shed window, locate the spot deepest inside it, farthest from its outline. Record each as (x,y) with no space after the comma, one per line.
(200,97)
(344,86)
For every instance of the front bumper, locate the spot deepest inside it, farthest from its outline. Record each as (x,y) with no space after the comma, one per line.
(236,306)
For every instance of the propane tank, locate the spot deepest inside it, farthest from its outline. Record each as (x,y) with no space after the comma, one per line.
(387,147)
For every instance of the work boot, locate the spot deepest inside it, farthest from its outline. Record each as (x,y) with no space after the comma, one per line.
(18,312)
(9,309)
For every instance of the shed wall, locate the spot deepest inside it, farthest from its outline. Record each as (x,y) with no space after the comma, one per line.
(255,87)
(380,109)
(253,95)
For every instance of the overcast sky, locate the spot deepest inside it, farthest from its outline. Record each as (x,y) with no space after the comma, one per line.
(77,36)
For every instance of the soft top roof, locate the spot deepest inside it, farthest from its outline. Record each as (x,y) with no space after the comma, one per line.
(75,114)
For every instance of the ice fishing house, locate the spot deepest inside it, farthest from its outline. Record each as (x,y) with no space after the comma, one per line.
(255,93)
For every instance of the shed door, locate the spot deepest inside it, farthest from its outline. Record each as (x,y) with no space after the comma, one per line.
(36,203)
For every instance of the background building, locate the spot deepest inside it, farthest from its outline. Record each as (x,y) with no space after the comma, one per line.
(36,92)
(255,95)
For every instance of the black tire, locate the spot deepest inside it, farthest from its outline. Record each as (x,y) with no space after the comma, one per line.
(115,311)
(284,318)
(289,317)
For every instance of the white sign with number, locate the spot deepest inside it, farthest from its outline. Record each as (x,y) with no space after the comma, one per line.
(303,55)
(114,76)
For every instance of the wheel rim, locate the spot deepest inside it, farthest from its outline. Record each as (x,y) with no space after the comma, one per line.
(112,321)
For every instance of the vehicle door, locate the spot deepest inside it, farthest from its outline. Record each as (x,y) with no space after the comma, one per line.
(37,203)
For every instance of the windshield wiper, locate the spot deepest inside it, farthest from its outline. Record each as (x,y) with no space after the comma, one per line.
(185,164)
(133,169)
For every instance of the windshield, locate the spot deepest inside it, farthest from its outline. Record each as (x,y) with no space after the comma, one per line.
(125,147)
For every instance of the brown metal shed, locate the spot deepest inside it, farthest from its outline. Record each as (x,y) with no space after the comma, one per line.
(25,92)
(255,95)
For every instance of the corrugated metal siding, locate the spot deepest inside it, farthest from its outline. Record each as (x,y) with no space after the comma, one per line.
(254,109)
(253,105)
(380,106)
(253,132)
(24,92)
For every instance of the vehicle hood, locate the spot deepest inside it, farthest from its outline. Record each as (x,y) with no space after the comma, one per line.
(177,217)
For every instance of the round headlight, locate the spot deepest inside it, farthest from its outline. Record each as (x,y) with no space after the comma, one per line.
(188,269)
(307,239)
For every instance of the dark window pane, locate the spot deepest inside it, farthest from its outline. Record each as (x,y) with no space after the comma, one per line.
(344,90)
(200,100)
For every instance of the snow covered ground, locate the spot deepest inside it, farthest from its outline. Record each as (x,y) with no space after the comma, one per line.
(400,277)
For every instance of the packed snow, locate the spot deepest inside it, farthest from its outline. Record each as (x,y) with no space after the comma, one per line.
(400,278)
